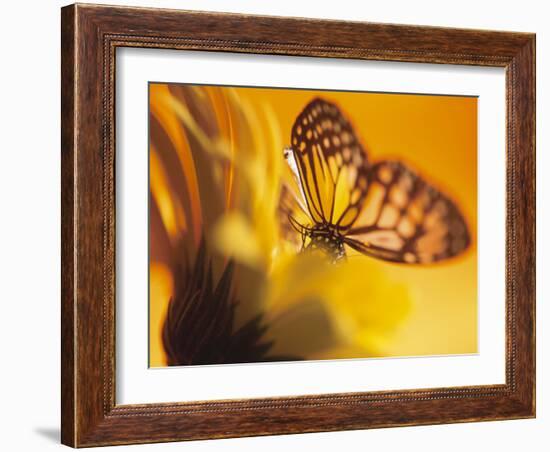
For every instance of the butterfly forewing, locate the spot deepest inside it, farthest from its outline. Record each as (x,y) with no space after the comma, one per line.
(294,220)
(332,164)
(404,219)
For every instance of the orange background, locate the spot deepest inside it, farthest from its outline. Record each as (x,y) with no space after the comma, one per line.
(437,136)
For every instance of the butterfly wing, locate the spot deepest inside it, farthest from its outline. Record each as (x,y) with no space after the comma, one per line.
(404,219)
(331,163)
(294,220)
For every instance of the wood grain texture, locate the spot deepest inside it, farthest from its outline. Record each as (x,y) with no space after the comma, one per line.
(68,310)
(90,36)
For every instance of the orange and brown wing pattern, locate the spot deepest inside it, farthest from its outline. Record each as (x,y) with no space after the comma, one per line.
(331,162)
(404,219)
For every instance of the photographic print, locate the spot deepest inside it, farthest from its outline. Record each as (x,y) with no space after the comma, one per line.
(351,249)
(295,224)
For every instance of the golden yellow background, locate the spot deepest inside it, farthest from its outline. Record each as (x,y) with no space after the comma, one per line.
(435,135)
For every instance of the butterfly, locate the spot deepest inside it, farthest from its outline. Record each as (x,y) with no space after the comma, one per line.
(337,200)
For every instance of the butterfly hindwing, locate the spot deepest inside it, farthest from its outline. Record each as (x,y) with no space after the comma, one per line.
(404,219)
(331,162)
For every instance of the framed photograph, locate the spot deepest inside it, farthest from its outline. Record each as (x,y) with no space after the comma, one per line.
(281,225)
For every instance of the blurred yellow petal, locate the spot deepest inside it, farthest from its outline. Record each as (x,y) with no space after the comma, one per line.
(160,290)
(233,237)
(160,101)
(170,209)
(364,304)
(227,130)
(217,146)
(303,330)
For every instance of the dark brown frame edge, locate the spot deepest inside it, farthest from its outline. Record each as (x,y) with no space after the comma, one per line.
(90,36)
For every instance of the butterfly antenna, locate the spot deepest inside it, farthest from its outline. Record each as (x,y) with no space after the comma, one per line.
(296,225)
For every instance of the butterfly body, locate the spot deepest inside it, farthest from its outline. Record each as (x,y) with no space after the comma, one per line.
(340,201)
(326,239)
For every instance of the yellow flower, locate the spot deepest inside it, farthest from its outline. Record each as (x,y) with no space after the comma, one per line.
(217,169)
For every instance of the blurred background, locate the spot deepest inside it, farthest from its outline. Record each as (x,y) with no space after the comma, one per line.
(216,168)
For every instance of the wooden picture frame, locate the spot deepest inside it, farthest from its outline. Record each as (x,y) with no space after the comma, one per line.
(90,36)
